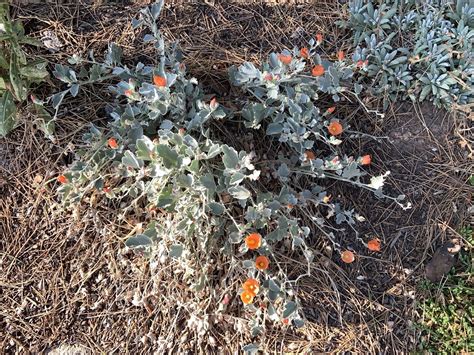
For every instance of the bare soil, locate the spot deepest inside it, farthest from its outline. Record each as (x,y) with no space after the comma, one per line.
(66,278)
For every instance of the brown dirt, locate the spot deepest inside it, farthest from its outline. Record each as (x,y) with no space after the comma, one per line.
(66,279)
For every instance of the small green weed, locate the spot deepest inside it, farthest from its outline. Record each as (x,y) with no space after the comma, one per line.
(446,325)
(17,73)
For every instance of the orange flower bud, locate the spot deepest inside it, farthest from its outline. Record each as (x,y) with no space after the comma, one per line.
(319,38)
(159,81)
(366,160)
(62,179)
(304,52)
(112,143)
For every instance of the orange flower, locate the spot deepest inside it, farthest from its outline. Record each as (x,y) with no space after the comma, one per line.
(253,241)
(112,143)
(319,38)
(107,189)
(361,64)
(317,70)
(331,109)
(347,256)
(246,297)
(159,80)
(289,206)
(310,155)
(252,286)
(340,55)
(285,58)
(62,179)
(335,128)
(374,244)
(285,321)
(304,52)
(262,262)
(366,160)
(129,92)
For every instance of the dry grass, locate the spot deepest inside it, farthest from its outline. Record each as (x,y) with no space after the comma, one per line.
(66,278)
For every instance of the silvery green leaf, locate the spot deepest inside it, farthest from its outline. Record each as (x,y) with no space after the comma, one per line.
(208,181)
(248,264)
(168,155)
(190,141)
(230,157)
(298,322)
(239,192)
(297,241)
(236,178)
(118,70)
(148,38)
(185,180)
(156,9)
(283,171)
(130,160)
(290,308)
(351,171)
(274,62)
(235,237)
(144,147)
(274,128)
(58,98)
(166,124)
(136,23)
(273,286)
(254,113)
(214,150)
(74,90)
(250,349)
(273,296)
(114,54)
(216,208)
(140,240)
(176,251)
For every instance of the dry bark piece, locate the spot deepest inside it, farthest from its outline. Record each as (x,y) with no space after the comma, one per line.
(442,261)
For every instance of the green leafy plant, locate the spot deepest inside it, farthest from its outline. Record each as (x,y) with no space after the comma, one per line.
(17,73)
(414,49)
(447,313)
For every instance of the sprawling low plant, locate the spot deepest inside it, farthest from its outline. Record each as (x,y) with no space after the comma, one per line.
(17,73)
(414,49)
(195,198)
(157,158)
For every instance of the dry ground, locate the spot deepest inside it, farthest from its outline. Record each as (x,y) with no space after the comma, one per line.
(66,279)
